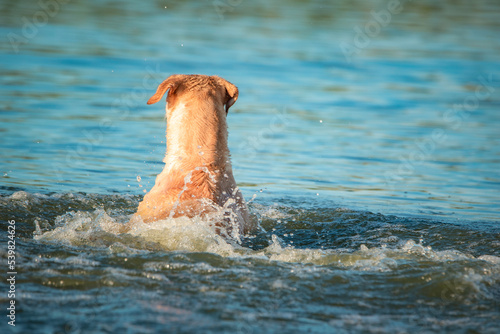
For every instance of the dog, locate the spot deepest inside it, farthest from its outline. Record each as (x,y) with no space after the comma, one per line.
(197,178)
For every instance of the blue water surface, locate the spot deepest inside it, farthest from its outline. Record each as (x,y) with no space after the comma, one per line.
(360,105)
(354,128)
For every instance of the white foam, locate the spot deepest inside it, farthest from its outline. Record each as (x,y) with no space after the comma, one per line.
(98,229)
(490,258)
(184,234)
(82,228)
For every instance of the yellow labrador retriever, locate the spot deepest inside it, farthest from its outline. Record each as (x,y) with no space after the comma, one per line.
(197,177)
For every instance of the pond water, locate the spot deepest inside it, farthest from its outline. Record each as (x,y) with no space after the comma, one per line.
(366,137)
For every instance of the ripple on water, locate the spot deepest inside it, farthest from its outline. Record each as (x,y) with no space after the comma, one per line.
(334,264)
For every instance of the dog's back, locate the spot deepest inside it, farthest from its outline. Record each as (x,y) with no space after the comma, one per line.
(197,177)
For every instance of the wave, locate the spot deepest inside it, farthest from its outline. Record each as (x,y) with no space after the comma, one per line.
(445,259)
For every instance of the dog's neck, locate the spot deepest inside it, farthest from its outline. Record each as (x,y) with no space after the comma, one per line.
(197,137)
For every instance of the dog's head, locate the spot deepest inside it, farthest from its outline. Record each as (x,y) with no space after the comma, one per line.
(202,86)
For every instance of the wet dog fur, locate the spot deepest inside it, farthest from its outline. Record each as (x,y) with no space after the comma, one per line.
(197,176)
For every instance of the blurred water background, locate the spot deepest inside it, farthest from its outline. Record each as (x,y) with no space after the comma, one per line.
(366,133)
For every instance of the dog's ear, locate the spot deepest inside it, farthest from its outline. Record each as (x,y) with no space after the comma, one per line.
(231,93)
(170,83)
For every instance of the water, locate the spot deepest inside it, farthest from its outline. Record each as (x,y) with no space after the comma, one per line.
(374,170)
